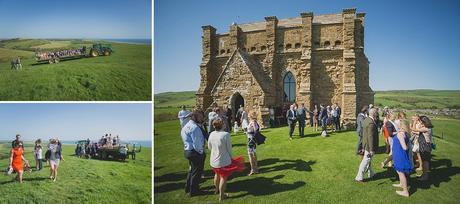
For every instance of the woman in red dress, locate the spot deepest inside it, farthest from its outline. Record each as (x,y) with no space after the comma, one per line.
(16,158)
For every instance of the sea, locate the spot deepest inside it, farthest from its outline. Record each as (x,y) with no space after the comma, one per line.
(131,41)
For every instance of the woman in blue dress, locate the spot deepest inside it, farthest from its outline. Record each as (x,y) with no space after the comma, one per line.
(401,159)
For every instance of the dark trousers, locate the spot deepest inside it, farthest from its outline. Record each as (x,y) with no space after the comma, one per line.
(40,164)
(291,128)
(359,146)
(324,124)
(301,127)
(336,123)
(196,161)
(311,121)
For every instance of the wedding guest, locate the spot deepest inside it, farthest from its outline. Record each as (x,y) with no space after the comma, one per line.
(193,139)
(316,117)
(359,123)
(184,116)
(244,120)
(55,156)
(16,159)
(38,149)
(425,140)
(253,128)
(390,129)
(291,120)
(211,116)
(370,145)
(221,157)
(301,117)
(401,158)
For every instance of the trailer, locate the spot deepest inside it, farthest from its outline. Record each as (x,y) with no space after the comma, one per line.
(60,55)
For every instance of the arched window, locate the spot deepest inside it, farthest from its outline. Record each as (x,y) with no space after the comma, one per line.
(288,46)
(337,43)
(297,45)
(327,44)
(289,87)
(263,48)
(222,52)
(228,51)
(253,49)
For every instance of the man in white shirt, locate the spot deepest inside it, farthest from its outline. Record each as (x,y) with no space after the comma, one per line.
(184,116)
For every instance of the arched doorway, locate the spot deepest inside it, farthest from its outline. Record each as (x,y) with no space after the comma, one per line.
(236,101)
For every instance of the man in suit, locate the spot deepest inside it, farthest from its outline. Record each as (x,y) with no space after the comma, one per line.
(323,118)
(359,128)
(370,145)
(301,117)
(338,111)
(291,117)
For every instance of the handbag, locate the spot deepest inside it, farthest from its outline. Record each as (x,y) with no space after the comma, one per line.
(260,139)
(423,145)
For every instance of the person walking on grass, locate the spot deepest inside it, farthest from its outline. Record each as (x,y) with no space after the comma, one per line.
(244,120)
(370,145)
(183,116)
(301,117)
(401,158)
(291,117)
(425,140)
(253,129)
(55,157)
(38,149)
(193,139)
(16,159)
(221,157)
(359,128)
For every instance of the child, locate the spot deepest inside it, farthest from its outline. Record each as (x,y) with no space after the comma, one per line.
(235,128)
(38,154)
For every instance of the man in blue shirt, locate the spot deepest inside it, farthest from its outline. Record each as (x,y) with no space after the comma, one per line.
(193,138)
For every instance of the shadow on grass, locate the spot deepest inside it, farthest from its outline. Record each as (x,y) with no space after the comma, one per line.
(239,145)
(284,164)
(260,186)
(441,171)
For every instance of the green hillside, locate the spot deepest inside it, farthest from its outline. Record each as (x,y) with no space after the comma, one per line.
(80,180)
(123,76)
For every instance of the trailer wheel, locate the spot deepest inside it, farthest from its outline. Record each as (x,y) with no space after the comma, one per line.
(50,61)
(56,60)
(93,53)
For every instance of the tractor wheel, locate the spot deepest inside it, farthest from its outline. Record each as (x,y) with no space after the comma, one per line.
(106,53)
(94,53)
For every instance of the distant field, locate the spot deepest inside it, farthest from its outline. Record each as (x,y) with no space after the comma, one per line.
(419,99)
(123,76)
(80,180)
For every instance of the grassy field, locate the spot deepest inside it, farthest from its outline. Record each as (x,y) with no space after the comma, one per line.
(123,76)
(419,99)
(310,169)
(80,180)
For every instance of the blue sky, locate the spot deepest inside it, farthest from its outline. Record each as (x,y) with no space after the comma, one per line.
(75,19)
(410,44)
(75,121)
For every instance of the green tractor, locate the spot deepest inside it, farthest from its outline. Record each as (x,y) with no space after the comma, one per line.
(101,50)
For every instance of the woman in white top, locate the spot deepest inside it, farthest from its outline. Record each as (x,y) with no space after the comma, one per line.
(221,157)
(244,120)
(252,130)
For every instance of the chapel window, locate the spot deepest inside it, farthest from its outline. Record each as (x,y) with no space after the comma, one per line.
(289,87)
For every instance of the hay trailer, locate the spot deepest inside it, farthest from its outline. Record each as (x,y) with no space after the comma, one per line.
(60,55)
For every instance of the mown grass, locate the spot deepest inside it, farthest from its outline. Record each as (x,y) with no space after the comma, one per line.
(124,76)
(311,169)
(80,180)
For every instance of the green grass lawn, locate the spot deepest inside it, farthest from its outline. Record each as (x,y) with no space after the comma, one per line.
(419,99)
(80,180)
(311,169)
(123,76)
